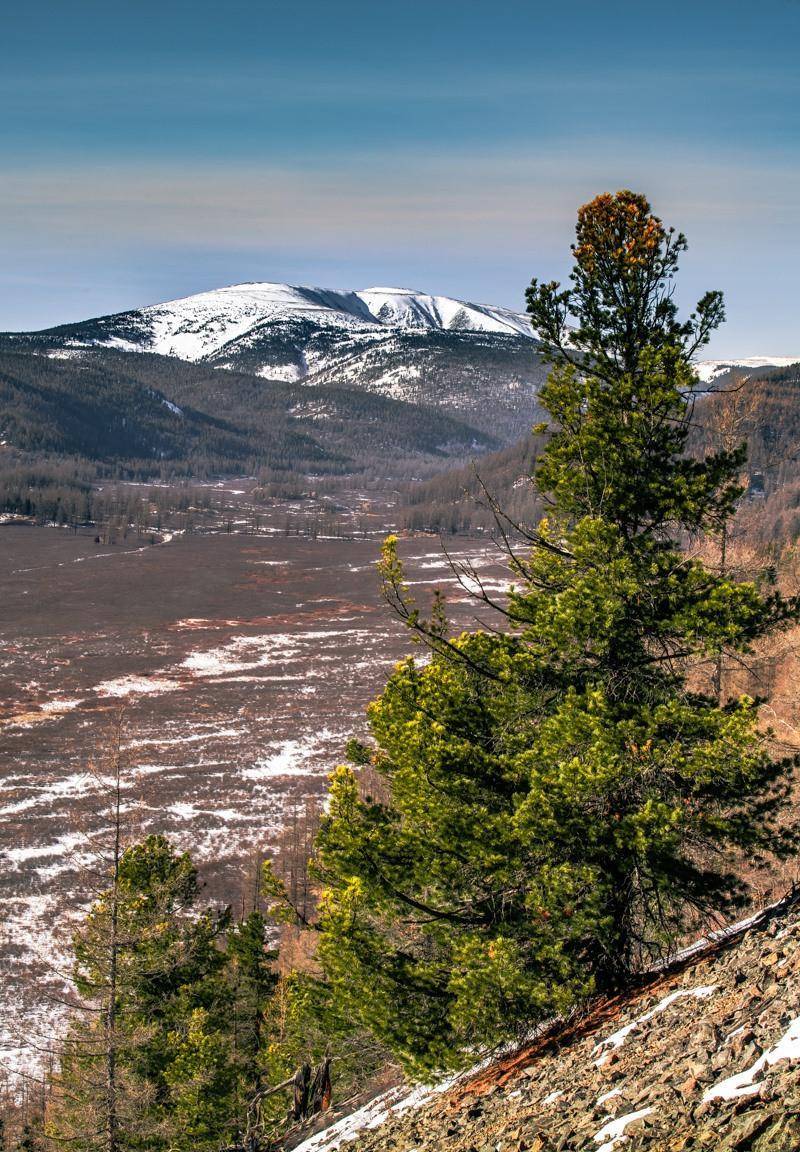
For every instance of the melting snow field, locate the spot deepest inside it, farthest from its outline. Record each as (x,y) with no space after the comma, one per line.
(239,667)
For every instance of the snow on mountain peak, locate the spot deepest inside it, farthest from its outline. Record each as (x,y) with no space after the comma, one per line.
(202,325)
(195,327)
(396,291)
(403,308)
(374,338)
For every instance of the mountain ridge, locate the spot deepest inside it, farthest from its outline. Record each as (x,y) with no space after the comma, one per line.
(199,326)
(202,325)
(477,363)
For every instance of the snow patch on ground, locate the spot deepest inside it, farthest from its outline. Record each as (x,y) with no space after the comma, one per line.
(745,1083)
(371,1115)
(290,757)
(613,1133)
(78,784)
(58,706)
(64,354)
(64,846)
(553,1096)
(195,738)
(289,373)
(389,1104)
(136,686)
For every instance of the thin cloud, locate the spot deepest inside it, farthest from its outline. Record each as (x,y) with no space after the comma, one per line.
(376,195)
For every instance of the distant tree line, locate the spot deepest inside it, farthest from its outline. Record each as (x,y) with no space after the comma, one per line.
(68,495)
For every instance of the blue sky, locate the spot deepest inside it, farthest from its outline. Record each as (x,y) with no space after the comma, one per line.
(155,149)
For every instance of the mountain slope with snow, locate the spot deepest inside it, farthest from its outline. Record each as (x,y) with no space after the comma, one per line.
(710,370)
(209,324)
(398,307)
(474,361)
(477,362)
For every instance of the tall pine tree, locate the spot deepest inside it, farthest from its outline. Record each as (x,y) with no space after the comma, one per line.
(564,799)
(145,1062)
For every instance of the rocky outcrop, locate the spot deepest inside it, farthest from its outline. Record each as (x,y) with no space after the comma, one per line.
(704,1055)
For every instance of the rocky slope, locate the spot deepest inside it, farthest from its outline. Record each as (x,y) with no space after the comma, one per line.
(704,1055)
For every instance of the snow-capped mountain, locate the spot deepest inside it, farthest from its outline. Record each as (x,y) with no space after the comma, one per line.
(477,361)
(400,308)
(222,322)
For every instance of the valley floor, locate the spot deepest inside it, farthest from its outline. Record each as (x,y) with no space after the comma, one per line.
(239,665)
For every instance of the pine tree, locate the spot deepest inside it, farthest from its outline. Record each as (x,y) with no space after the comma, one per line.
(564,799)
(201,1079)
(149,975)
(252,980)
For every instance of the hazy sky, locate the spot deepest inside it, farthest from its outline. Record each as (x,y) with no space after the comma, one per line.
(153,149)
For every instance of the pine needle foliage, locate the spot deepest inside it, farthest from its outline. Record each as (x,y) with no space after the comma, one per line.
(562,801)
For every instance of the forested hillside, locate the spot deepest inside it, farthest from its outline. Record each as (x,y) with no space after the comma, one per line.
(70,422)
(760,408)
(114,406)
